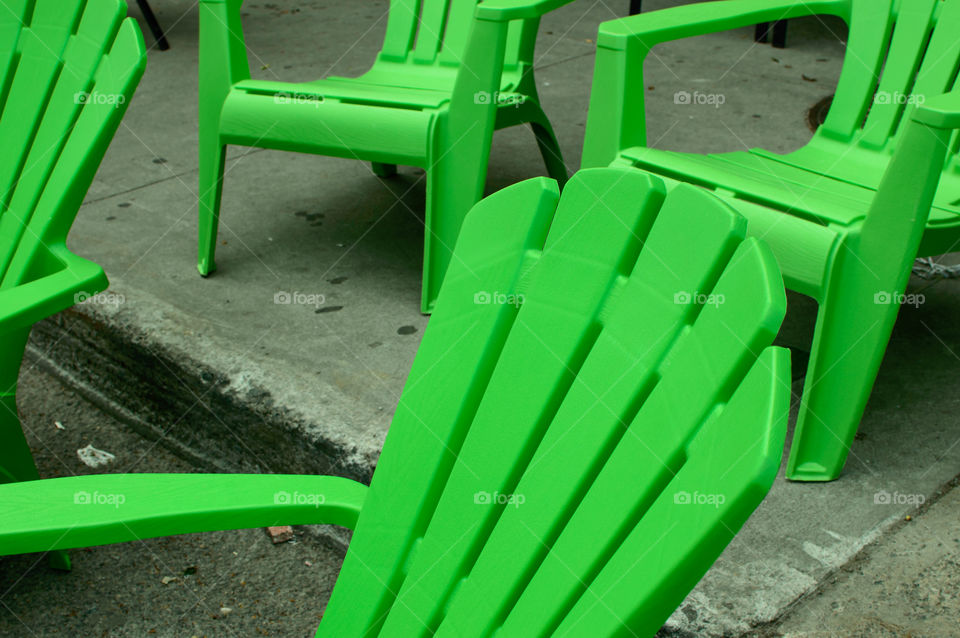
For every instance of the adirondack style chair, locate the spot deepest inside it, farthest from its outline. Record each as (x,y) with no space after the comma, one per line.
(846,214)
(449,73)
(67,72)
(593,413)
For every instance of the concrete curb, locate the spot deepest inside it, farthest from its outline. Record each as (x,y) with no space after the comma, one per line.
(203,414)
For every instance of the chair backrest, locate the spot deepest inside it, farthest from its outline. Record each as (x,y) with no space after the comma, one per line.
(586,416)
(898,52)
(67,71)
(435,32)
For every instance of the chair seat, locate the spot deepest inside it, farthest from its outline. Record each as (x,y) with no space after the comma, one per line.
(772,180)
(332,117)
(350,90)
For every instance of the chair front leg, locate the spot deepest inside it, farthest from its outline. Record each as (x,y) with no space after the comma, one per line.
(16,460)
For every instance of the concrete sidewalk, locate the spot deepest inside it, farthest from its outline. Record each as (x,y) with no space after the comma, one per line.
(230,380)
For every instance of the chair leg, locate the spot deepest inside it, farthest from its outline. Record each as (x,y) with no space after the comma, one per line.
(853,328)
(154,25)
(764,31)
(212,158)
(383,170)
(780,34)
(531,112)
(761,32)
(16,460)
(550,150)
(451,192)
(635,7)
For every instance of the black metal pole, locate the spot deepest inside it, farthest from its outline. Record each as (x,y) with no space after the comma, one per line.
(151,19)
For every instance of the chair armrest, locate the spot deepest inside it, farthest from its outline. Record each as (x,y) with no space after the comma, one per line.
(506,10)
(691,20)
(891,233)
(81,511)
(26,304)
(615,120)
(942,111)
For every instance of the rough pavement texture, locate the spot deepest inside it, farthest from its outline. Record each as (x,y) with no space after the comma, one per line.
(907,585)
(119,590)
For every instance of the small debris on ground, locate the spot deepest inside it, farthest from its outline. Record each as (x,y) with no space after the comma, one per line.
(225,610)
(59,425)
(92,457)
(927,268)
(166,580)
(280,534)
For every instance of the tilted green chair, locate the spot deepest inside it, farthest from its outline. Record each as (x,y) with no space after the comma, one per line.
(846,214)
(593,413)
(67,72)
(449,73)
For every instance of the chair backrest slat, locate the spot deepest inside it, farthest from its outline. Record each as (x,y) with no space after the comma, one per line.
(12,19)
(457,32)
(899,53)
(427,32)
(40,45)
(911,34)
(445,385)
(401,30)
(65,100)
(432,27)
(941,64)
(871,22)
(942,61)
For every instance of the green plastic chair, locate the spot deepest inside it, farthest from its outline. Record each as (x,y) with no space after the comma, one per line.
(846,214)
(67,72)
(593,413)
(450,72)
